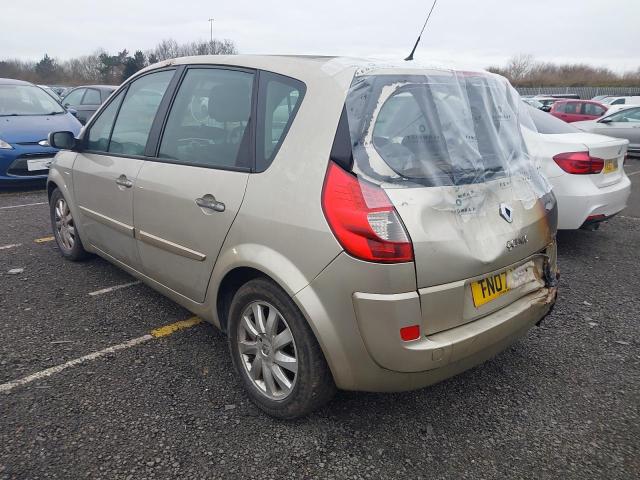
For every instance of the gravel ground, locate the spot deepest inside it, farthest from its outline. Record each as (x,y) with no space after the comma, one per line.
(561,403)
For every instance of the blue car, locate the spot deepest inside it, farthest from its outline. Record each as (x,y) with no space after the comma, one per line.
(27,115)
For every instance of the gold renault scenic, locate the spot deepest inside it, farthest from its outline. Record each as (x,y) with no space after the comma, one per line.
(349,224)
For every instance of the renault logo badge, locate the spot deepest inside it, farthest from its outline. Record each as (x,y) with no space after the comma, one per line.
(506,212)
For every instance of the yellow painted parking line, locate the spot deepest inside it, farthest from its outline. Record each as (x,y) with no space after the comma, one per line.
(157,333)
(44,239)
(174,327)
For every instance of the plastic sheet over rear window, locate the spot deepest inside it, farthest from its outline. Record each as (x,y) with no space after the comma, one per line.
(442,128)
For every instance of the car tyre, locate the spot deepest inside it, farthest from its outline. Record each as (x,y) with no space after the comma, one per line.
(64,228)
(267,335)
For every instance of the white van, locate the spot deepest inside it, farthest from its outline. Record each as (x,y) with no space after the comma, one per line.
(631,100)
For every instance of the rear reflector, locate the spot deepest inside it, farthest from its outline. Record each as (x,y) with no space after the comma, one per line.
(579,163)
(410,333)
(363,218)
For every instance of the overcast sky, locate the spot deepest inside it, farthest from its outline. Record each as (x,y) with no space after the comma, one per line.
(477,33)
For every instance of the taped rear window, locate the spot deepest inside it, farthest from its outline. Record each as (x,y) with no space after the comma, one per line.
(439,128)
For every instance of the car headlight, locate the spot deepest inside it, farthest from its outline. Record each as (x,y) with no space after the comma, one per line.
(5,145)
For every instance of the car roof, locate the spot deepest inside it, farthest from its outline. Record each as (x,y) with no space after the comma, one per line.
(576,100)
(102,87)
(12,81)
(309,67)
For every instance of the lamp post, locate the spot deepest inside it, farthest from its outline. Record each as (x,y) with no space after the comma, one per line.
(211,23)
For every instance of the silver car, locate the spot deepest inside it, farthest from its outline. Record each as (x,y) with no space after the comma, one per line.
(348,224)
(623,123)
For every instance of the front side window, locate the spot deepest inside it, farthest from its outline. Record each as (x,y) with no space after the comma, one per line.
(100,130)
(280,98)
(559,107)
(209,122)
(571,107)
(592,109)
(18,100)
(91,97)
(75,97)
(631,115)
(132,127)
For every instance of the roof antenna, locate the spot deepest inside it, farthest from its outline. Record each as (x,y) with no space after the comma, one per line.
(410,57)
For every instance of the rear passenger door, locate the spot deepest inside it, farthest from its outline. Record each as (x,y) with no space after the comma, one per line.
(187,197)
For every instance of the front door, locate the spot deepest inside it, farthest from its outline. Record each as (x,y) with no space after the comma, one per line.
(188,198)
(106,170)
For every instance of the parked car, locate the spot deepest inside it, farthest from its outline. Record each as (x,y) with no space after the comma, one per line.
(574,96)
(87,99)
(624,123)
(599,98)
(577,110)
(546,102)
(337,243)
(59,89)
(53,94)
(27,115)
(533,103)
(586,171)
(628,100)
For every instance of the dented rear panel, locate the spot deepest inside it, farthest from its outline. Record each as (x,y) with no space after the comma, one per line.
(448,150)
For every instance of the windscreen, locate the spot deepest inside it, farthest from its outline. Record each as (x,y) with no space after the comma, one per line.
(18,100)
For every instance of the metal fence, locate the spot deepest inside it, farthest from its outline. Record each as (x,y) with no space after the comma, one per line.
(584,92)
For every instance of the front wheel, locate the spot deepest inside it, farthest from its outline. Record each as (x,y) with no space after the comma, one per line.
(275,352)
(64,228)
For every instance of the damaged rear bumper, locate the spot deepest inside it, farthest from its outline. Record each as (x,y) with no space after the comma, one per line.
(437,356)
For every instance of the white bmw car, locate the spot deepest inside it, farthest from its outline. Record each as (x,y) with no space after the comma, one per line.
(586,170)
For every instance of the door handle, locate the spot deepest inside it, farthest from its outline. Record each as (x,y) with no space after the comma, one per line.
(123,181)
(209,202)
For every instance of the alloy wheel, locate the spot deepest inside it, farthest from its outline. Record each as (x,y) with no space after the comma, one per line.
(65,226)
(268,350)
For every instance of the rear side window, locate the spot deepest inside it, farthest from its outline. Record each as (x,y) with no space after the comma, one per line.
(435,129)
(98,139)
(548,124)
(209,123)
(137,112)
(91,97)
(278,103)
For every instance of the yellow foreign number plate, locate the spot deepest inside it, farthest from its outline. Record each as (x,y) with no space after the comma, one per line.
(610,165)
(489,288)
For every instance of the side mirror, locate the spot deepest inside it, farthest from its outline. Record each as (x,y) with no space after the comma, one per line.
(62,140)
(72,110)
(604,120)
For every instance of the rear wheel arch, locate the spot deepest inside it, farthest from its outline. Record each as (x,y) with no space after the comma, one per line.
(230,284)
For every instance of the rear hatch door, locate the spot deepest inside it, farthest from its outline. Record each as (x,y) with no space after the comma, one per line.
(447,148)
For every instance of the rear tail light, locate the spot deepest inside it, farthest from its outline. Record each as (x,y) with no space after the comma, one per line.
(579,163)
(363,218)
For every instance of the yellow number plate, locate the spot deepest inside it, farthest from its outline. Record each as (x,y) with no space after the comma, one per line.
(610,165)
(489,288)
